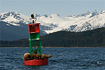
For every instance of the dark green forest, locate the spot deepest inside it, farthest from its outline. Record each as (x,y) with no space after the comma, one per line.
(93,38)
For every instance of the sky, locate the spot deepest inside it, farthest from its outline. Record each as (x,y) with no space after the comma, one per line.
(42,7)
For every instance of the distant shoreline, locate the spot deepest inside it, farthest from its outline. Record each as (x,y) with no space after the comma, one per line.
(54,47)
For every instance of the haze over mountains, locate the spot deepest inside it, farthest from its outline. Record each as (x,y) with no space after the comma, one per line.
(13,24)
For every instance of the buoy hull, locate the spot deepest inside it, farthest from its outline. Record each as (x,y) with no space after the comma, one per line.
(36,62)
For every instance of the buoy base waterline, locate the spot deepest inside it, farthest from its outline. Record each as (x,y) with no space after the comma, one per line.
(36,62)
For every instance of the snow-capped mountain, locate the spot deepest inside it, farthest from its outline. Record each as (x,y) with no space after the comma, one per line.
(13,18)
(13,24)
(79,23)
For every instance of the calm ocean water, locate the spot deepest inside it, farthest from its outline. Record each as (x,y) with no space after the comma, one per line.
(63,59)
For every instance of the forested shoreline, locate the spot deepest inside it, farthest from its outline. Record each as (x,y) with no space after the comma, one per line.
(93,38)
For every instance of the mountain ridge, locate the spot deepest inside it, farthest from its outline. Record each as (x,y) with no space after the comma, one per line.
(52,23)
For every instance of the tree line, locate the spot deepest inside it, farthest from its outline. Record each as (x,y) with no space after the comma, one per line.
(92,38)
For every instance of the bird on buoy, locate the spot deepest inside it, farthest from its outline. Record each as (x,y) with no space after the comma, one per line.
(33,19)
(32,16)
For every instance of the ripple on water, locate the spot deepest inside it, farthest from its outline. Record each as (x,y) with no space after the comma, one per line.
(63,59)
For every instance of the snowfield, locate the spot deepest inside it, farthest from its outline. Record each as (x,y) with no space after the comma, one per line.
(54,22)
